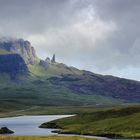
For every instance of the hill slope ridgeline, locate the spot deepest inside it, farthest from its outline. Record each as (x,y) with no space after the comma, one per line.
(47,82)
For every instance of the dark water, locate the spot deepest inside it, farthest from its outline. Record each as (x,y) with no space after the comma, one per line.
(28,125)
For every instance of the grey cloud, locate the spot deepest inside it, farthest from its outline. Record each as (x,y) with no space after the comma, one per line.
(125,13)
(33,16)
(99,35)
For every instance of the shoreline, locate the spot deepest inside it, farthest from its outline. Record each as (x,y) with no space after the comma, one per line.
(102,136)
(86,136)
(55,134)
(47,138)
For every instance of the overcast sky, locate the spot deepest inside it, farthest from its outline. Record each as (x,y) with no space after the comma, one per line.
(102,36)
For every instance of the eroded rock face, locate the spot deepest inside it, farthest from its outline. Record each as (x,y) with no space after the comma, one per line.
(21,47)
(13,64)
(53,59)
(44,64)
(48,60)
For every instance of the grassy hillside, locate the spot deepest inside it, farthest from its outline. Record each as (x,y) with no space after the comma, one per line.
(86,83)
(60,85)
(38,89)
(116,122)
(43,138)
(44,88)
(49,110)
(44,93)
(54,69)
(48,83)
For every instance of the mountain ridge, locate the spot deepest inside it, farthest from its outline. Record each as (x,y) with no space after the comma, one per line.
(57,83)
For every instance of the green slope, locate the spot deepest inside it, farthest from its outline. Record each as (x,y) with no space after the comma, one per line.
(57,85)
(54,69)
(43,93)
(119,122)
(38,89)
(85,82)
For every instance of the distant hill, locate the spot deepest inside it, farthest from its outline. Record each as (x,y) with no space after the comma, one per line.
(26,80)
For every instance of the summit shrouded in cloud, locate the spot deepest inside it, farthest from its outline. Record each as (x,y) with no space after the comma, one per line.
(100,36)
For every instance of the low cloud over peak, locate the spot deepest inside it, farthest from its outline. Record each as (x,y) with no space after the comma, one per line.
(101,36)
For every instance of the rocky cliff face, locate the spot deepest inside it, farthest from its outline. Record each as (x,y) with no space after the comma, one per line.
(53,59)
(21,47)
(13,64)
(45,63)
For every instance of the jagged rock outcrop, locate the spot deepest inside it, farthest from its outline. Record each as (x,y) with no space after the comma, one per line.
(53,59)
(21,47)
(48,60)
(44,64)
(13,64)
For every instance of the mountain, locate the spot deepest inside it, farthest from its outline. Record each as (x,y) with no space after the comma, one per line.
(26,80)
(21,47)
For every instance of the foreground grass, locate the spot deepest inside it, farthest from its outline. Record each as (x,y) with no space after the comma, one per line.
(118,122)
(43,138)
